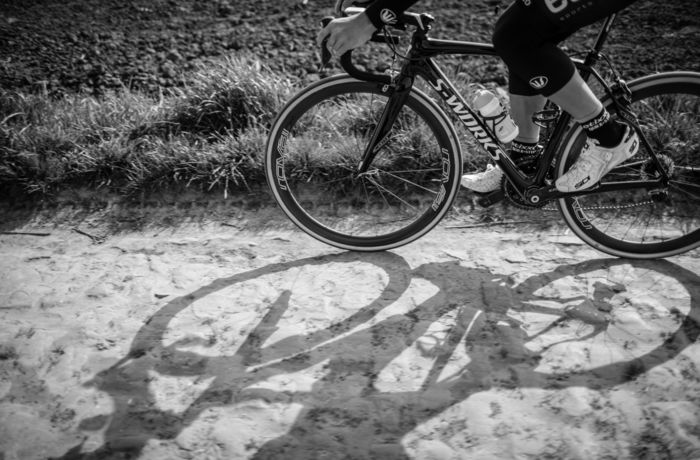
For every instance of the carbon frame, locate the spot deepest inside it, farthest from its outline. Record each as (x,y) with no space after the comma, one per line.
(420,62)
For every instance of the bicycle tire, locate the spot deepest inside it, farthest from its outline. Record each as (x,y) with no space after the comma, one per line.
(314,148)
(636,223)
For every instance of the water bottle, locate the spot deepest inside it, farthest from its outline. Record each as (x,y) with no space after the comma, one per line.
(495,115)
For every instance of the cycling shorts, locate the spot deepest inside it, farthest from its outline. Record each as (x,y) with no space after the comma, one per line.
(527,35)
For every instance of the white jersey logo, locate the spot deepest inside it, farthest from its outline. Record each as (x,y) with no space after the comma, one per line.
(557,6)
(539,82)
(388,16)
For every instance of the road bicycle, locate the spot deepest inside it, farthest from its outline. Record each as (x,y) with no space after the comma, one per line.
(367,161)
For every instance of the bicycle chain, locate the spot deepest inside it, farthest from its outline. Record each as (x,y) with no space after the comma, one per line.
(516,200)
(626,206)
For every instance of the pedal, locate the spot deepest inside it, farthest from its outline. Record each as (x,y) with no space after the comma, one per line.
(489,199)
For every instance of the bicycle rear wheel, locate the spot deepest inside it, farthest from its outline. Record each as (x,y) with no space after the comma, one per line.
(641,223)
(314,149)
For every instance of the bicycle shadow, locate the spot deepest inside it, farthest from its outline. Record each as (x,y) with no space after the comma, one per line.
(344,413)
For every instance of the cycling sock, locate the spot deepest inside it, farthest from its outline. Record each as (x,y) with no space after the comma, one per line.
(604,129)
(521,149)
(525,155)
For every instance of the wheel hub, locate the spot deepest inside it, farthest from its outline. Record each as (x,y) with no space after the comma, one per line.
(649,170)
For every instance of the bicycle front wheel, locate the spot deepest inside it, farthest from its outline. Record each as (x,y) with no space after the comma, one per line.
(312,157)
(647,224)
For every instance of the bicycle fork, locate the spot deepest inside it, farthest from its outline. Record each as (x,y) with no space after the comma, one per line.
(397,98)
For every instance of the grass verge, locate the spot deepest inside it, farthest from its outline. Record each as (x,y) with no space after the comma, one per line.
(206,137)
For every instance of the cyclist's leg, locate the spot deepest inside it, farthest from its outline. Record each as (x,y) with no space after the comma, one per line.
(522,107)
(526,37)
(525,149)
(518,32)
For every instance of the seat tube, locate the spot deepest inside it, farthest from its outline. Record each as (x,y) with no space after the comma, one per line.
(604,32)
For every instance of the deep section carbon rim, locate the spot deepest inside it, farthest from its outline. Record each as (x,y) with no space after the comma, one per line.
(648,223)
(313,154)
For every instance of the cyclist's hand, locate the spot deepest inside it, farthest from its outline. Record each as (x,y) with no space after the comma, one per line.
(340,5)
(345,34)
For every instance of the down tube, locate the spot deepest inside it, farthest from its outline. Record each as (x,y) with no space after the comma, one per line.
(441,84)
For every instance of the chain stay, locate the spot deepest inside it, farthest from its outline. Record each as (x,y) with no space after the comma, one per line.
(518,202)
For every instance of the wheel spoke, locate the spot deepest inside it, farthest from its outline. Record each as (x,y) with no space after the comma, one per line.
(415,184)
(388,192)
(651,223)
(388,205)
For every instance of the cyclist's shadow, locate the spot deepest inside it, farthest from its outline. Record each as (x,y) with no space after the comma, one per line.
(344,413)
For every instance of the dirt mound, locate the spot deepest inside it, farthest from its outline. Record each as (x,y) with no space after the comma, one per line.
(94,45)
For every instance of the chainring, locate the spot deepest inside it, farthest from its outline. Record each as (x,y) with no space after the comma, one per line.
(514,197)
(529,166)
